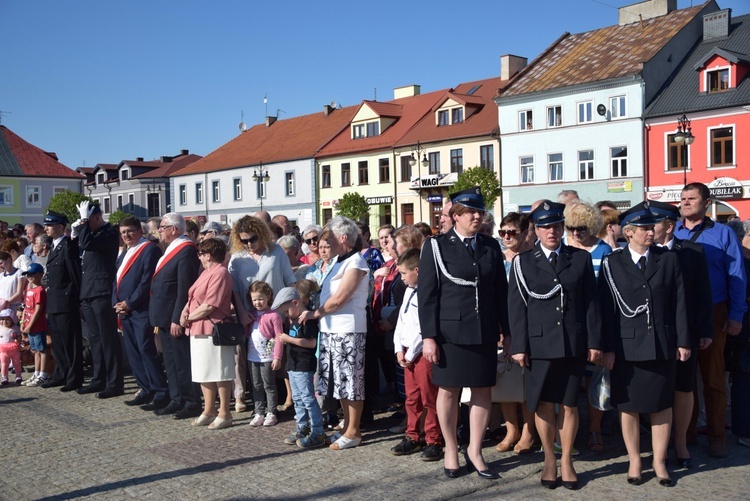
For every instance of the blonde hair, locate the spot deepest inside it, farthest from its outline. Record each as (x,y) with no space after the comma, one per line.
(583,215)
(249,224)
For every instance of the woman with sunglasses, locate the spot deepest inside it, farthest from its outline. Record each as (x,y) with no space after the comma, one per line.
(311,237)
(513,230)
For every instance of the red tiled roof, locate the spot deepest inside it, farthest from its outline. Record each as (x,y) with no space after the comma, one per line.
(21,158)
(165,169)
(289,139)
(603,54)
(385,109)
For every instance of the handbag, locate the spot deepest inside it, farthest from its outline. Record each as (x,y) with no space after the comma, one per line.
(599,389)
(509,384)
(227,333)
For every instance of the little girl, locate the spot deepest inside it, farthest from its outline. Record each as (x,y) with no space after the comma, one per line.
(264,353)
(9,345)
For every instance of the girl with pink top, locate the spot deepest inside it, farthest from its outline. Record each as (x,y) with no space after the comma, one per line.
(9,345)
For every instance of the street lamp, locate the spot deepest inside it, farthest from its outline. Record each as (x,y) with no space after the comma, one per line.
(684,136)
(260,176)
(413,161)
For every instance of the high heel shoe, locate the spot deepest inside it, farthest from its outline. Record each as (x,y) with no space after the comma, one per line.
(549,484)
(685,463)
(635,480)
(488,474)
(665,481)
(451,472)
(571,485)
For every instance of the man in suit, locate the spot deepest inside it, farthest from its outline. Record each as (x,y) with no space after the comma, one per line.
(175,273)
(64,279)
(99,243)
(131,295)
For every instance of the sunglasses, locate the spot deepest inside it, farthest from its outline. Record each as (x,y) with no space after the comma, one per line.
(250,240)
(579,229)
(509,233)
(312,240)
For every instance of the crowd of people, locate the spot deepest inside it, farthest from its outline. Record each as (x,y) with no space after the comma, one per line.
(656,295)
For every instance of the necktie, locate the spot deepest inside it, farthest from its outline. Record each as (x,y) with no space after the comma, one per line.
(642,264)
(553,259)
(467,241)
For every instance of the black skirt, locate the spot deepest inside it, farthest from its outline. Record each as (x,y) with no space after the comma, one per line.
(556,381)
(646,386)
(466,365)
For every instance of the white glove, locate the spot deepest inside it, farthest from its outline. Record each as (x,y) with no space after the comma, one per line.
(84,210)
(74,229)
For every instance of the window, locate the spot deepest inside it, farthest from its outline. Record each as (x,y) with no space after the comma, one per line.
(678,158)
(527,169)
(722,147)
(434,159)
(261,188)
(373,129)
(183,194)
(358,131)
(131,201)
(346,172)
(619,156)
(327,215)
(457,115)
(58,189)
(100,178)
(33,196)
(718,80)
(555,162)
(364,172)
(554,116)
(215,191)
(107,205)
(585,112)
(124,175)
(407,214)
(443,117)
(487,157)
(525,120)
(199,193)
(385,216)
(237,185)
(406,168)
(586,165)
(617,107)
(289,184)
(119,202)
(326,176)
(457,160)
(384,169)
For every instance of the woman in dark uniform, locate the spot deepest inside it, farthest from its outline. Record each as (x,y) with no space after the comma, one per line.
(643,301)
(556,323)
(462,298)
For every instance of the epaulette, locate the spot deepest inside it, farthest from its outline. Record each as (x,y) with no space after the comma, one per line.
(538,254)
(619,249)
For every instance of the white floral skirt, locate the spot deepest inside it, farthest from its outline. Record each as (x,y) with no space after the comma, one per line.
(341,365)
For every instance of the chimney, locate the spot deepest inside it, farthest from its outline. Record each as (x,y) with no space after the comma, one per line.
(510,65)
(716,24)
(166,159)
(407,91)
(139,159)
(641,11)
(327,109)
(270,120)
(184,152)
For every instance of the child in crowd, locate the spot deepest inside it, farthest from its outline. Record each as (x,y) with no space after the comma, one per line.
(34,323)
(264,354)
(420,392)
(10,349)
(301,363)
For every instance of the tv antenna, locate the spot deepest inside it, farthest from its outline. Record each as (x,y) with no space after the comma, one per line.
(265,103)
(243,125)
(2,114)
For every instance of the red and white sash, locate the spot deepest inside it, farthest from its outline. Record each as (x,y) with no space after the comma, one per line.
(129,259)
(172,251)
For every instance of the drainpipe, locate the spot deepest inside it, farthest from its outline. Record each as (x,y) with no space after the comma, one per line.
(205,192)
(395,188)
(646,130)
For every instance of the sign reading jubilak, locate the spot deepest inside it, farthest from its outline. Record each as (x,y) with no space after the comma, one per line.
(725,188)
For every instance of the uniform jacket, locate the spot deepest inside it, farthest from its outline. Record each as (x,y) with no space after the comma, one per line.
(98,263)
(697,289)
(662,286)
(63,277)
(564,325)
(448,311)
(135,285)
(169,287)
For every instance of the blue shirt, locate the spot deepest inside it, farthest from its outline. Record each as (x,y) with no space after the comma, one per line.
(725,264)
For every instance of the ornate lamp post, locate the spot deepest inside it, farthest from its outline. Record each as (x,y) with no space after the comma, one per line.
(684,136)
(416,152)
(260,176)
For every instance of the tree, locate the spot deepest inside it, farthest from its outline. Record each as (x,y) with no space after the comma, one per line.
(354,206)
(118,216)
(485,179)
(65,203)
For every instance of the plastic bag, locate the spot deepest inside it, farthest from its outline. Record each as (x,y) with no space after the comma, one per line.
(599,389)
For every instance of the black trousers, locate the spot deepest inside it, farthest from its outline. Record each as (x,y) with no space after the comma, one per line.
(67,347)
(176,353)
(140,348)
(100,325)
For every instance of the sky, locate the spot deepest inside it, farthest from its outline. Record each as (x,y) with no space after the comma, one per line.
(103,81)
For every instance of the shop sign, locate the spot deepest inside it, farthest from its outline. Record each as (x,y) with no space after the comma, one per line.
(433,181)
(434,198)
(725,188)
(668,196)
(379,200)
(619,186)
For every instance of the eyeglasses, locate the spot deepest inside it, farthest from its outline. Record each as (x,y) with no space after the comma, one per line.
(579,229)
(202,254)
(162,228)
(250,240)
(312,240)
(508,233)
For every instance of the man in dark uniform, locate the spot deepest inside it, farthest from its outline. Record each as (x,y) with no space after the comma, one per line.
(64,279)
(100,243)
(698,300)
(175,273)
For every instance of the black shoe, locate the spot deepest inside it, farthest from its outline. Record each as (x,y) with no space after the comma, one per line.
(156,405)
(405,447)
(110,392)
(488,474)
(635,480)
(549,484)
(685,463)
(140,399)
(665,481)
(188,412)
(67,388)
(432,452)
(571,485)
(52,384)
(451,473)
(172,408)
(84,390)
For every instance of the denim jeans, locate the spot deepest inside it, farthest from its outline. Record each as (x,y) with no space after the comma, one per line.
(306,409)
(264,388)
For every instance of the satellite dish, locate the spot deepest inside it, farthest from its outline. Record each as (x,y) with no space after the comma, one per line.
(334,104)
(601,109)
(243,127)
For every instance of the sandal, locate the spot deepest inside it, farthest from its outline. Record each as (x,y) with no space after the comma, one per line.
(220,423)
(345,443)
(505,446)
(203,420)
(595,441)
(524,450)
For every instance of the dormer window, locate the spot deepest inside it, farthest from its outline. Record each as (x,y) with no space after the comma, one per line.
(457,115)
(443,118)
(124,174)
(450,116)
(373,129)
(358,131)
(100,178)
(367,129)
(718,80)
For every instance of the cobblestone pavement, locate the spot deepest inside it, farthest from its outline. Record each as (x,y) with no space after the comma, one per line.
(63,446)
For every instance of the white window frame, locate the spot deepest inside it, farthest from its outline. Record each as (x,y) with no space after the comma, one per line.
(716,69)
(29,192)
(289,183)
(555,115)
(589,164)
(119,202)
(215,190)
(618,163)
(131,201)
(614,107)
(199,192)
(525,120)
(550,167)
(526,164)
(7,198)
(107,205)
(587,108)
(237,188)
(183,194)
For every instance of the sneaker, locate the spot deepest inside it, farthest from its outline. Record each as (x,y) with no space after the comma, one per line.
(312,440)
(29,381)
(38,381)
(406,446)
(293,437)
(270,419)
(257,420)
(433,452)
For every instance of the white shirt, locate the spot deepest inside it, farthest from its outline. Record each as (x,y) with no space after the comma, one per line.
(668,245)
(57,241)
(636,257)
(547,252)
(408,334)
(352,316)
(129,255)
(258,349)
